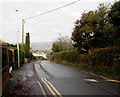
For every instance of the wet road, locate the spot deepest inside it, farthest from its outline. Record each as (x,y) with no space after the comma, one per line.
(60,80)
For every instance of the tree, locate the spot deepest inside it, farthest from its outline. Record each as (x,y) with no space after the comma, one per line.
(55,47)
(28,54)
(62,44)
(82,33)
(114,16)
(27,42)
(93,29)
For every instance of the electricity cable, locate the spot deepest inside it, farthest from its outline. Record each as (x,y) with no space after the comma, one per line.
(52,10)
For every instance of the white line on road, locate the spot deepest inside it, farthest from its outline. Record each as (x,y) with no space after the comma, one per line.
(113,80)
(42,89)
(91,80)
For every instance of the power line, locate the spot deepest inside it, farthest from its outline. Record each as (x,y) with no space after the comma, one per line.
(52,10)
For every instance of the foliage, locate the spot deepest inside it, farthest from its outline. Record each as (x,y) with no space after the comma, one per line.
(106,61)
(109,56)
(41,58)
(93,30)
(55,47)
(12,45)
(62,44)
(103,61)
(27,42)
(98,32)
(70,56)
(22,56)
(114,14)
(114,18)
(28,55)
(34,58)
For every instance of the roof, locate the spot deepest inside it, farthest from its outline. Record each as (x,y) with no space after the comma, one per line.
(3,42)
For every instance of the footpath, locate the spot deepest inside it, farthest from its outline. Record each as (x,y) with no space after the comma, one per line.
(23,83)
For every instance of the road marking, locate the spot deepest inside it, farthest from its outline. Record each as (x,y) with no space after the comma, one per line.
(113,81)
(51,87)
(42,89)
(106,78)
(91,80)
(36,78)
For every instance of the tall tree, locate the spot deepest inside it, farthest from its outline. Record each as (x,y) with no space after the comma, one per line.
(82,32)
(114,16)
(93,29)
(27,42)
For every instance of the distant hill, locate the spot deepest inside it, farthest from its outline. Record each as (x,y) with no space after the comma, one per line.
(41,45)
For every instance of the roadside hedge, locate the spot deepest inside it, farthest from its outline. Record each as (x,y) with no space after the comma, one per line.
(69,56)
(102,61)
(22,56)
(106,56)
(29,55)
(106,61)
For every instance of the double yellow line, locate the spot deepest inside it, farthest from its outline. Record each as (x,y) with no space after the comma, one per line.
(51,88)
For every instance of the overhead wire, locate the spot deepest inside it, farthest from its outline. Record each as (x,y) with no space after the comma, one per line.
(52,10)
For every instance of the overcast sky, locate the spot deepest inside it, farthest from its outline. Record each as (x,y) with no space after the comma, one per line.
(43,28)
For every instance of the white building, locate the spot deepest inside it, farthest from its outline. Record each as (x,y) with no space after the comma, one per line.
(40,54)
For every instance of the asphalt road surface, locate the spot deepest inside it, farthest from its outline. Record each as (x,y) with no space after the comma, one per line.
(59,80)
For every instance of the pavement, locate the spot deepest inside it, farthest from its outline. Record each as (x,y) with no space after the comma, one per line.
(24,83)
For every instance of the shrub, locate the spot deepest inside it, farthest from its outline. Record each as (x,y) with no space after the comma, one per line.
(28,55)
(70,56)
(109,56)
(103,61)
(62,44)
(84,59)
(22,56)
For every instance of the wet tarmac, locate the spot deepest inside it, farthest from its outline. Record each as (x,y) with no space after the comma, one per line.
(69,81)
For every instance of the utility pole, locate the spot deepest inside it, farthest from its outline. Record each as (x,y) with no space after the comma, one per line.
(18,41)
(23,22)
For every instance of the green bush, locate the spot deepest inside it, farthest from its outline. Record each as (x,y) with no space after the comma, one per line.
(84,60)
(106,61)
(102,61)
(28,55)
(22,56)
(106,56)
(62,44)
(70,56)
